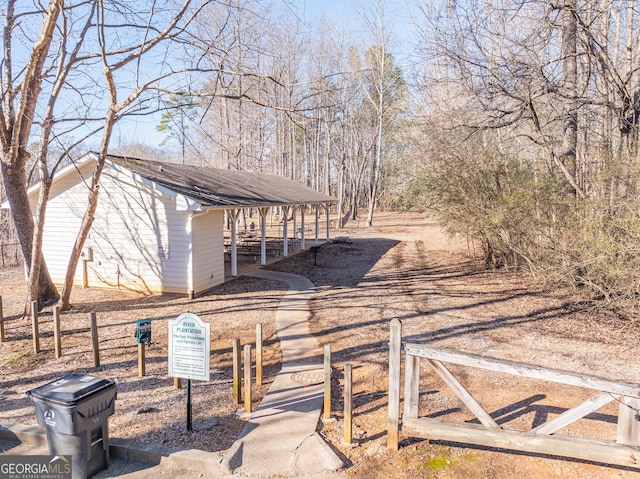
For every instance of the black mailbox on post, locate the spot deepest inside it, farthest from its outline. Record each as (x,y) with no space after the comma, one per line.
(74,411)
(143,331)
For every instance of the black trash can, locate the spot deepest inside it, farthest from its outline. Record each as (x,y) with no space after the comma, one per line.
(74,410)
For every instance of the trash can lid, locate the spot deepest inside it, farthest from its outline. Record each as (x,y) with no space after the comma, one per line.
(71,388)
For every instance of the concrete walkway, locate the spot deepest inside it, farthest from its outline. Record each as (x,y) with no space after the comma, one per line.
(280,438)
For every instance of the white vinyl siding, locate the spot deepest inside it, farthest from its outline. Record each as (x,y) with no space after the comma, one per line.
(138,238)
(66,206)
(133,247)
(208,250)
(130,238)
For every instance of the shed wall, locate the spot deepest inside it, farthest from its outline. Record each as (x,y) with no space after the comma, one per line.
(138,238)
(208,247)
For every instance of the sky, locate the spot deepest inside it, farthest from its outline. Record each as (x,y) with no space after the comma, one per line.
(342,12)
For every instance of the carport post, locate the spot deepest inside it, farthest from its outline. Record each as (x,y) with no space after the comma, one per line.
(317,223)
(302,227)
(326,207)
(285,233)
(233,215)
(263,235)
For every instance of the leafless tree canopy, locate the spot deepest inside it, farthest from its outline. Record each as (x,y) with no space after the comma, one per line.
(516,123)
(531,127)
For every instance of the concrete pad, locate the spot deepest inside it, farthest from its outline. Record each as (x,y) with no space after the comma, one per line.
(280,438)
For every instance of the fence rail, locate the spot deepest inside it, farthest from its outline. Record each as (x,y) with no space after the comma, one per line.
(624,451)
(10,255)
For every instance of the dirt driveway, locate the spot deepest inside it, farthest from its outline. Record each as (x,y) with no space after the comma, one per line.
(402,268)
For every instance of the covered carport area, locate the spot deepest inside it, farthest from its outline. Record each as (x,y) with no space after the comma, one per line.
(267,240)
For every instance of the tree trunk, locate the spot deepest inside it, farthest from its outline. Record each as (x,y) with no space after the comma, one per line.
(570,86)
(14,183)
(89,214)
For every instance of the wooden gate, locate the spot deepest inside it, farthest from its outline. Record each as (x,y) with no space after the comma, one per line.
(542,439)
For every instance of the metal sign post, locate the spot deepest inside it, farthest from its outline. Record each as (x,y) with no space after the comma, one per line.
(189,350)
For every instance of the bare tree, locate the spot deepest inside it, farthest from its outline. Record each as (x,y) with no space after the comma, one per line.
(115,59)
(54,94)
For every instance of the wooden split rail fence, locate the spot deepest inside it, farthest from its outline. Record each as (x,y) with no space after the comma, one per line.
(624,451)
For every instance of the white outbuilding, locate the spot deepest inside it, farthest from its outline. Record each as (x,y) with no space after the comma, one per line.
(159,227)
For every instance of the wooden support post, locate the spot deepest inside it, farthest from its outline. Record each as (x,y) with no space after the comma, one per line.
(247,379)
(259,354)
(237,367)
(393,415)
(94,340)
(57,340)
(85,274)
(411,385)
(327,382)
(628,422)
(1,322)
(177,383)
(141,360)
(348,404)
(34,326)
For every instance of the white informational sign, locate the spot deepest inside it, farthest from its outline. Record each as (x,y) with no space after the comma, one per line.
(189,347)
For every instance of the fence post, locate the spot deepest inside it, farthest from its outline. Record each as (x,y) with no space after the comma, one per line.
(327,382)
(237,366)
(57,341)
(1,322)
(393,415)
(259,354)
(247,378)
(177,383)
(348,404)
(34,326)
(142,370)
(94,340)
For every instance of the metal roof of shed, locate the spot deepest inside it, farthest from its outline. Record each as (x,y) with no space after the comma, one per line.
(213,187)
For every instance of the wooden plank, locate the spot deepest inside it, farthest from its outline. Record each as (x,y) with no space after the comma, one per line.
(589,450)
(327,382)
(259,354)
(142,370)
(348,404)
(34,327)
(465,396)
(247,379)
(57,340)
(94,340)
(411,386)
(629,422)
(237,368)
(523,369)
(395,359)
(581,410)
